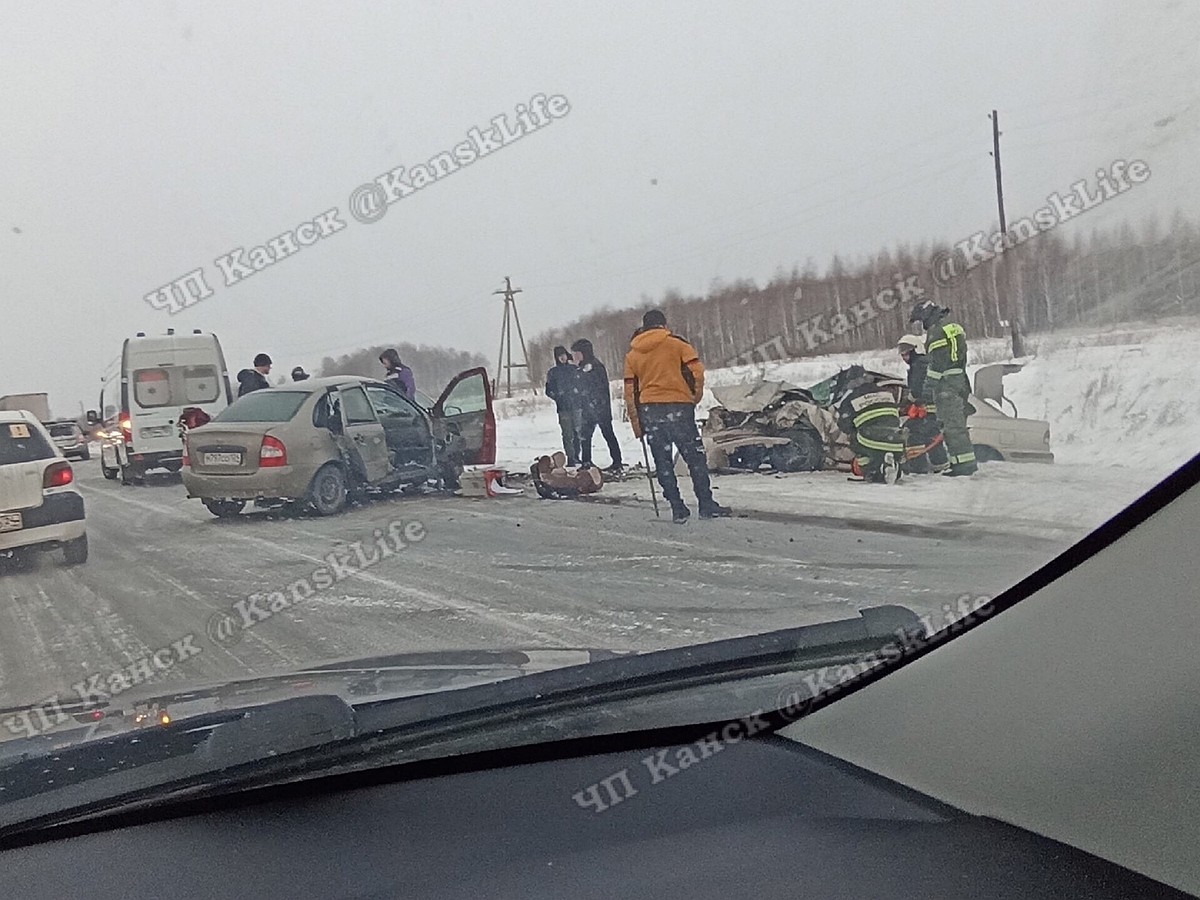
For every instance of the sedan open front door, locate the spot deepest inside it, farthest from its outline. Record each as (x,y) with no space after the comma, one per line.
(466,407)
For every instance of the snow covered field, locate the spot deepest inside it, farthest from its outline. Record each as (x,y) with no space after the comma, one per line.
(1120,404)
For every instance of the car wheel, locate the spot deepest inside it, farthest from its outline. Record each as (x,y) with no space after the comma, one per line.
(76,552)
(126,475)
(108,473)
(328,492)
(86,455)
(984,453)
(224,509)
(173,467)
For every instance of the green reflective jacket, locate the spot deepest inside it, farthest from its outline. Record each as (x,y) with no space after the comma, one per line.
(946,351)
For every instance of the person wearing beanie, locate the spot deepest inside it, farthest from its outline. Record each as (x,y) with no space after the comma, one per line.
(664,380)
(250,380)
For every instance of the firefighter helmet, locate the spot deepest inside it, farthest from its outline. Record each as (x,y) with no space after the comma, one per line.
(925,312)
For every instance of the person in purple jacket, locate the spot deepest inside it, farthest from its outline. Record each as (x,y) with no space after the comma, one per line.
(398,373)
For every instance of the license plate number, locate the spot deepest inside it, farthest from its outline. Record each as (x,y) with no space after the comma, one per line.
(10,522)
(222,459)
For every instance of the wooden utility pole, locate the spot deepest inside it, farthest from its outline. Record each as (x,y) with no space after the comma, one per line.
(1014,318)
(504,360)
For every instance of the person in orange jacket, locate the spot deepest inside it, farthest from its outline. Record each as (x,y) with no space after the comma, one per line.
(664,380)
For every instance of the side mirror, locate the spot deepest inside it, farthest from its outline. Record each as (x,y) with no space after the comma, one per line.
(93,418)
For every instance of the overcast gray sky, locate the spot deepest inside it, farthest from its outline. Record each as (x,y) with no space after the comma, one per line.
(141,141)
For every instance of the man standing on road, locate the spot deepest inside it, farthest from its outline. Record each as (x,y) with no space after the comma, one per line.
(664,380)
(562,386)
(595,401)
(250,380)
(946,382)
(298,374)
(398,373)
(924,429)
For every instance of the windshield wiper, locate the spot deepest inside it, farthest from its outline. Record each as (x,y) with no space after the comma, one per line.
(287,740)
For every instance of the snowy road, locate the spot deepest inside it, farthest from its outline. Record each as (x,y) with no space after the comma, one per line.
(512,572)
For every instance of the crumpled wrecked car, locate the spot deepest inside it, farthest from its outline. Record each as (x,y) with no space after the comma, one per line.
(778,426)
(769,424)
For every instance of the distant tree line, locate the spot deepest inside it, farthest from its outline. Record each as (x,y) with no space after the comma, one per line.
(1052,282)
(433,367)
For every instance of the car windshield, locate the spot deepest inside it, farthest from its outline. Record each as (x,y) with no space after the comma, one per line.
(268,406)
(438,351)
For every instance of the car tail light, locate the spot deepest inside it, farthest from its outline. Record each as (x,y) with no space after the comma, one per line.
(272,453)
(126,428)
(57,474)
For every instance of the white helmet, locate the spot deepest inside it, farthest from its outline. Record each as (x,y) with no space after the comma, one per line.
(915,341)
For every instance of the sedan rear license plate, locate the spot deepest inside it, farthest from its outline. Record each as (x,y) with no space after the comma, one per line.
(222,459)
(11,522)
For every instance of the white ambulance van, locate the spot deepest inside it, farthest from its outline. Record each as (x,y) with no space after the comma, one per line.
(156,378)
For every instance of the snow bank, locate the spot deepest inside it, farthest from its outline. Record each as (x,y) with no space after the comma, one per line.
(1121,408)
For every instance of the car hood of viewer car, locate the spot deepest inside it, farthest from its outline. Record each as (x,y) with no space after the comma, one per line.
(387,677)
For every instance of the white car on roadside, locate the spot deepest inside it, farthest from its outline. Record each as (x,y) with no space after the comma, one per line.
(40,506)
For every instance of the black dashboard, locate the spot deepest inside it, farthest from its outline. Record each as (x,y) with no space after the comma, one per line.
(759,817)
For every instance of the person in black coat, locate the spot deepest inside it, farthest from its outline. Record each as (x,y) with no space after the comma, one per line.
(562,386)
(250,380)
(595,404)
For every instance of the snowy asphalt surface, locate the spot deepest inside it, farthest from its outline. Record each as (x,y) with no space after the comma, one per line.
(513,572)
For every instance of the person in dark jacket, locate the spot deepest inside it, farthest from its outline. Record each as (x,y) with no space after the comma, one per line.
(398,373)
(595,403)
(250,380)
(926,447)
(870,416)
(298,374)
(562,386)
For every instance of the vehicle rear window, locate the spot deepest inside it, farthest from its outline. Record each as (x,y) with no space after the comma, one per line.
(263,406)
(21,442)
(201,384)
(151,387)
(65,430)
